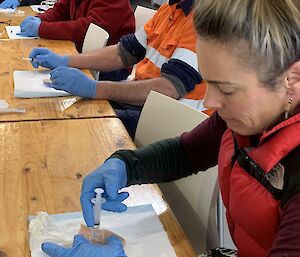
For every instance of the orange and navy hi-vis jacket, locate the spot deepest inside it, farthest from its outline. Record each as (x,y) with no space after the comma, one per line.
(168,48)
(251,182)
(168,35)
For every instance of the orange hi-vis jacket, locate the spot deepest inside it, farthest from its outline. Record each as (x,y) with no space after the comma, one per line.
(169,35)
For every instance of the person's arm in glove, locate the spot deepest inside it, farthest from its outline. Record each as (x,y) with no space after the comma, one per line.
(111,176)
(30,27)
(47,59)
(10,4)
(73,81)
(84,248)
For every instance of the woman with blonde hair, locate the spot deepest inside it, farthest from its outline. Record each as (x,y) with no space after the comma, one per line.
(249,56)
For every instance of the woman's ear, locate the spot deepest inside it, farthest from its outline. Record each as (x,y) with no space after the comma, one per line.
(294,84)
(293,75)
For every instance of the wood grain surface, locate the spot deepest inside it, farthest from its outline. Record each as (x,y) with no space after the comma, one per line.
(40,163)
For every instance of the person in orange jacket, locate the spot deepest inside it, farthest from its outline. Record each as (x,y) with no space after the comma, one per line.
(164,50)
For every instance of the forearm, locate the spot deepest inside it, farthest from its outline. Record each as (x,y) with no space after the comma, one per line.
(104,59)
(162,161)
(134,92)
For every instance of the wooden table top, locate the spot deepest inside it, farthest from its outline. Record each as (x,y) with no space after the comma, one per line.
(41,164)
(16,19)
(11,52)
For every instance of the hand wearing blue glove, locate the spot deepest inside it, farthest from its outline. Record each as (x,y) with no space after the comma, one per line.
(10,4)
(73,81)
(47,59)
(84,248)
(26,20)
(111,176)
(30,27)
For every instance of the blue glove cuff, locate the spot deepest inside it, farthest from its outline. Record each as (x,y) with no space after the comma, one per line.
(65,61)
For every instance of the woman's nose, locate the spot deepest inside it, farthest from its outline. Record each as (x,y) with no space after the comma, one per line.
(212,98)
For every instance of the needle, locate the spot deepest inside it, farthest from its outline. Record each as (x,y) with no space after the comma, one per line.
(28,59)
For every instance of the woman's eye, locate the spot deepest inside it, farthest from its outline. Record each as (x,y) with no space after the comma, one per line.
(227,93)
(222,89)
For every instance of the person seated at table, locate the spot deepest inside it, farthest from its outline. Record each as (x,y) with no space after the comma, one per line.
(165,53)
(15,3)
(252,71)
(70,19)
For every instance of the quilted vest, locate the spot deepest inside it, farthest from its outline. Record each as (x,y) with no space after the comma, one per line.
(251,182)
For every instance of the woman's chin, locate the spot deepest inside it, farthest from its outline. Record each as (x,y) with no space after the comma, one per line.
(239,128)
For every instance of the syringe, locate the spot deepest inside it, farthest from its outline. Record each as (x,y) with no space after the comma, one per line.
(97,206)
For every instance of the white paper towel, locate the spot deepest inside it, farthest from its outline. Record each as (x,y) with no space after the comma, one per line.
(30,84)
(12,32)
(139,225)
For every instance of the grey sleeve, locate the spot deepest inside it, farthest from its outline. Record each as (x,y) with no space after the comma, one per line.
(127,58)
(177,83)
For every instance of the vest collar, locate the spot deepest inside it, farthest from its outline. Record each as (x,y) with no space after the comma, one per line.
(285,123)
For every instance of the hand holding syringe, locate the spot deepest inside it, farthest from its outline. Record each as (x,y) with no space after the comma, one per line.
(112,177)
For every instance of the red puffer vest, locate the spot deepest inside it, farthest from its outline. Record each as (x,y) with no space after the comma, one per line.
(251,182)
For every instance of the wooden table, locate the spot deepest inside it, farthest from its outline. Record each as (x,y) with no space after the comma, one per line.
(41,164)
(17,19)
(11,52)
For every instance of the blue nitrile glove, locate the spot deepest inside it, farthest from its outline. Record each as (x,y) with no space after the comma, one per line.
(84,248)
(10,4)
(47,59)
(73,81)
(111,176)
(30,27)
(27,20)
